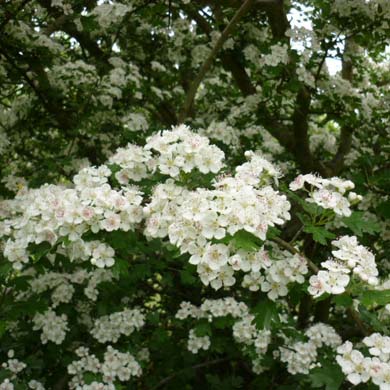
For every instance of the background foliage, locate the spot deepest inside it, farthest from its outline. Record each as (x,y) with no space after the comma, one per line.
(303,83)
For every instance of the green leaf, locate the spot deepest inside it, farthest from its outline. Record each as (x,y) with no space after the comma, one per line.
(359,225)
(34,362)
(310,208)
(158,338)
(4,374)
(381,179)
(329,375)
(30,307)
(322,297)
(370,318)
(5,269)
(273,232)
(89,377)
(203,329)
(319,233)
(247,241)
(121,240)
(265,313)
(383,209)
(153,318)
(342,300)
(222,322)
(120,268)
(3,328)
(139,271)
(40,250)
(371,297)
(187,278)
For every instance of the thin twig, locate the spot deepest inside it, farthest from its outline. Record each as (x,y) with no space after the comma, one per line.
(360,324)
(12,16)
(353,313)
(296,235)
(207,64)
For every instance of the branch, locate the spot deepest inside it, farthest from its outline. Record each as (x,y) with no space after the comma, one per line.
(384,82)
(320,65)
(277,18)
(294,251)
(207,64)
(30,82)
(360,324)
(231,63)
(229,60)
(300,128)
(345,141)
(200,365)
(61,383)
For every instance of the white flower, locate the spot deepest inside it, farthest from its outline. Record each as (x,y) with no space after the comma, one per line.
(225,278)
(378,344)
(216,256)
(111,222)
(211,225)
(103,256)
(253,281)
(274,288)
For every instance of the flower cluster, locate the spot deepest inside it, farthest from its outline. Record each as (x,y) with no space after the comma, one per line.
(61,283)
(94,279)
(222,132)
(14,183)
(54,212)
(359,368)
(213,308)
(244,202)
(63,290)
(357,258)
(109,328)
(109,14)
(13,365)
(301,356)
(328,193)
(116,366)
(193,220)
(171,152)
(244,329)
(35,385)
(53,327)
(6,385)
(134,161)
(32,384)
(246,333)
(278,273)
(350,257)
(196,343)
(278,55)
(181,150)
